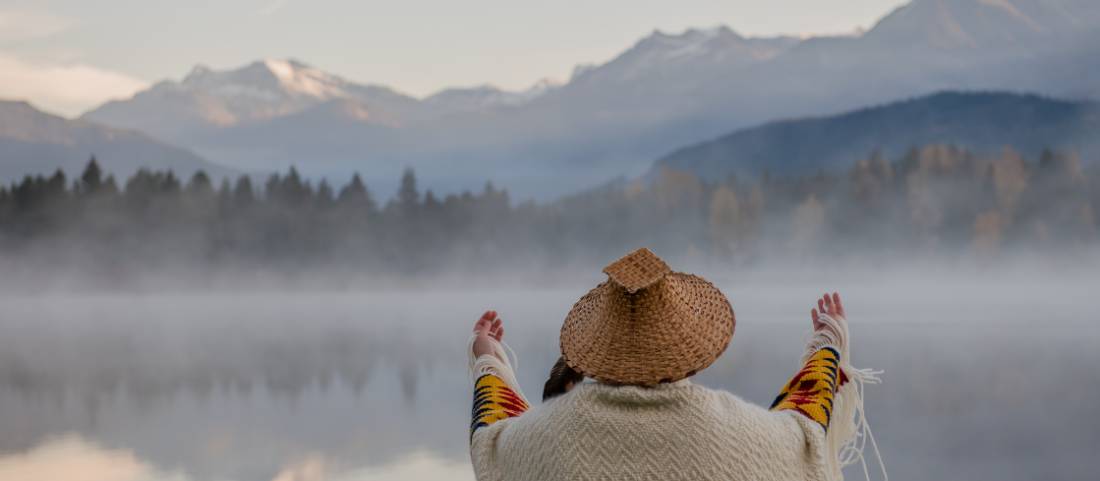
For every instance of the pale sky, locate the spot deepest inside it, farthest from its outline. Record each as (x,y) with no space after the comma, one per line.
(66,56)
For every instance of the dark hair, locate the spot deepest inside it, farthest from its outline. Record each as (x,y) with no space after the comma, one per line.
(561,375)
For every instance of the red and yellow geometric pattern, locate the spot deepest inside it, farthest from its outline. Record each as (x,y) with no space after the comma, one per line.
(810,392)
(494,401)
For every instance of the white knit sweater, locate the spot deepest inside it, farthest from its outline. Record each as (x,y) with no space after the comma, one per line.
(677,431)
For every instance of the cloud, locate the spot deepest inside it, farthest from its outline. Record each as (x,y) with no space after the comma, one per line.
(66,89)
(271,7)
(22,25)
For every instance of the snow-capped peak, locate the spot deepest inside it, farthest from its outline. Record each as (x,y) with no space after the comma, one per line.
(690,43)
(662,52)
(270,78)
(717,44)
(263,89)
(281,68)
(305,80)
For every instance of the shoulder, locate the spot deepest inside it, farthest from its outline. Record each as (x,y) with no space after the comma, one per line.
(737,413)
(727,402)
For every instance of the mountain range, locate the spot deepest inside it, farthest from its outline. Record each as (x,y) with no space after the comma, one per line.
(34,142)
(612,119)
(983,123)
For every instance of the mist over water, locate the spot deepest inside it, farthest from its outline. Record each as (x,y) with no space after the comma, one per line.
(988,372)
(171,317)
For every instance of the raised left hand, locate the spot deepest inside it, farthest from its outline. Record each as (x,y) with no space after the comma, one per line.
(489,326)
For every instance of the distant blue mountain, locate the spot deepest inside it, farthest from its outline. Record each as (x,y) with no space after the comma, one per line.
(34,142)
(611,119)
(982,122)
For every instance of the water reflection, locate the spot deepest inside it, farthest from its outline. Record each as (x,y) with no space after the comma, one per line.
(373,386)
(73,458)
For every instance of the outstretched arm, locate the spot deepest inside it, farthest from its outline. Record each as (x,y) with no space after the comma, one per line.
(812,390)
(496,395)
(829,391)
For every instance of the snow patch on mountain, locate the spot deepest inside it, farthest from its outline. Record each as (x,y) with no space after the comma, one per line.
(267,79)
(486,96)
(306,80)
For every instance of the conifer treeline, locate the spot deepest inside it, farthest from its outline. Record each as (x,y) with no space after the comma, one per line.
(934,200)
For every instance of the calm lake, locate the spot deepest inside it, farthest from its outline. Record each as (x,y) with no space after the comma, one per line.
(992,382)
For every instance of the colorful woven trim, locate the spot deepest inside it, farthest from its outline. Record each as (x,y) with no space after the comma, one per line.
(494,401)
(810,392)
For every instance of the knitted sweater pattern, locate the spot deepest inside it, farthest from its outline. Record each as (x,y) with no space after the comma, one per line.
(678,431)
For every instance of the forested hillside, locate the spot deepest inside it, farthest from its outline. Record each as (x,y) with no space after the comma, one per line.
(936,201)
(982,122)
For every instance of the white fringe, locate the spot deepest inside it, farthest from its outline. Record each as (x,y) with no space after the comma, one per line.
(502,363)
(849,432)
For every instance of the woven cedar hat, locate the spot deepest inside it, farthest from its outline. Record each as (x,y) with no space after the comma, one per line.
(646,325)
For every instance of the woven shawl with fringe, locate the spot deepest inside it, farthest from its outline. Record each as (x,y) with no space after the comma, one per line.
(676,431)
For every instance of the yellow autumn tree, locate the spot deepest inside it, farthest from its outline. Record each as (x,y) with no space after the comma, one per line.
(1009,181)
(724,222)
(809,222)
(677,191)
(988,227)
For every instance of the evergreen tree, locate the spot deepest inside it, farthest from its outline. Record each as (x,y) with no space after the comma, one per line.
(109,186)
(25,193)
(225,196)
(200,185)
(324,197)
(354,192)
(295,191)
(168,183)
(408,197)
(430,202)
(55,186)
(356,195)
(225,189)
(273,188)
(91,179)
(290,190)
(243,196)
(139,188)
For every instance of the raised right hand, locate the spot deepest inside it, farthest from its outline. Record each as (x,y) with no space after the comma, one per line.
(828,304)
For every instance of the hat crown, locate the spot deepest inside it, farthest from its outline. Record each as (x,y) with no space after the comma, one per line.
(637,270)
